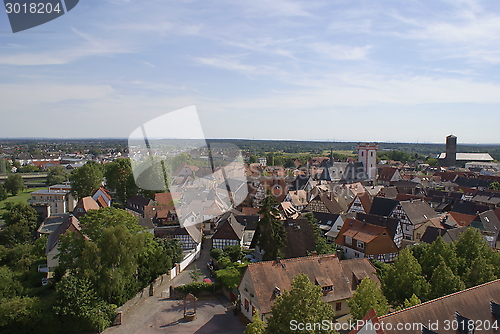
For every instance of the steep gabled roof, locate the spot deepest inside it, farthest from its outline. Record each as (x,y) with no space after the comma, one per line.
(387,173)
(70,224)
(229,229)
(267,275)
(383,206)
(418,212)
(300,240)
(391,224)
(472,303)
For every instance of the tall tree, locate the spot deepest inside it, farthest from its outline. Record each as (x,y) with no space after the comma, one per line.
(480,272)
(272,233)
(3,193)
(444,281)
(20,222)
(120,179)
(404,278)
(14,184)
(57,175)
(471,246)
(257,326)
(118,257)
(368,295)
(86,179)
(77,300)
(429,259)
(303,303)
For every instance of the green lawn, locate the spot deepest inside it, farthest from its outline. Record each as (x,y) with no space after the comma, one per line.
(22,197)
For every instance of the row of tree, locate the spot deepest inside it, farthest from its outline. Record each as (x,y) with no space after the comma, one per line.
(431,271)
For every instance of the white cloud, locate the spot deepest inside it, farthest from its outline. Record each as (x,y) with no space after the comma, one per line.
(341,52)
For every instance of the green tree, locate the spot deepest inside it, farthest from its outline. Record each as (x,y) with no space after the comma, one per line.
(77,301)
(9,286)
(444,281)
(302,303)
(234,252)
(480,272)
(18,314)
(86,179)
(14,184)
(471,246)
(3,193)
(494,186)
(5,166)
(432,161)
(368,295)
(120,179)
(322,247)
(229,277)
(20,222)
(272,233)
(118,257)
(57,175)
(404,278)
(430,261)
(195,274)
(252,159)
(413,301)
(257,326)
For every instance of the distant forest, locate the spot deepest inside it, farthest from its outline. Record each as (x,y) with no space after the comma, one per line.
(253,147)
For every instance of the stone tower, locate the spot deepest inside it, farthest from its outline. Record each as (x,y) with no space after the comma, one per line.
(451,150)
(367,154)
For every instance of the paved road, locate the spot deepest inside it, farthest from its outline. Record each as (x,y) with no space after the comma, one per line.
(157,314)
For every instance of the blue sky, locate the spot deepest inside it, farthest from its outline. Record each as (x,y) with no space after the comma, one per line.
(401,71)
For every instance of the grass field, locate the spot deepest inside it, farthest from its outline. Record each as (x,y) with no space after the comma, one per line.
(22,197)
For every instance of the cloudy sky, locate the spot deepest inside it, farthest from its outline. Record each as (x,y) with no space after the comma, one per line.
(400,71)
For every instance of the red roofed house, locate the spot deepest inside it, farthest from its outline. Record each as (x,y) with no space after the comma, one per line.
(84,205)
(363,240)
(264,281)
(388,175)
(103,197)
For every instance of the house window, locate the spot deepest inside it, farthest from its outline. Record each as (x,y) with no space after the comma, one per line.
(338,306)
(419,236)
(347,240)
(247,305)
(360,244)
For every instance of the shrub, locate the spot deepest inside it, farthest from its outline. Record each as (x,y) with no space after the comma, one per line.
(197,288)
(216,253)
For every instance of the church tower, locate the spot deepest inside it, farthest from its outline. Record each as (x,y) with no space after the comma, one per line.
(367,154)
(451,150)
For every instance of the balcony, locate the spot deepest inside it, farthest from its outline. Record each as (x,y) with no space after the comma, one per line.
(42,268)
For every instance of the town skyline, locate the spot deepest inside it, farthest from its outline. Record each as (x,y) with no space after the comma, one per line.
(353,71)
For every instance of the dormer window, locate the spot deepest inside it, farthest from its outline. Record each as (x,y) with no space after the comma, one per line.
(327,288)
(347,240)
(360,244)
